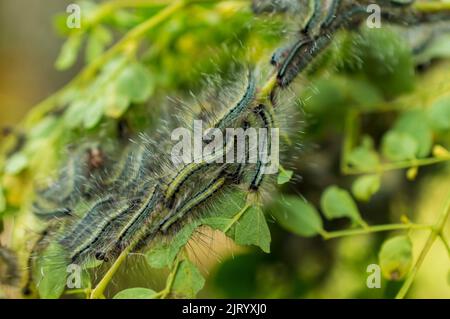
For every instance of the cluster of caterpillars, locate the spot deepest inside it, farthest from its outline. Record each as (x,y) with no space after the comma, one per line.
(319,21)
(98,207)
(98,211)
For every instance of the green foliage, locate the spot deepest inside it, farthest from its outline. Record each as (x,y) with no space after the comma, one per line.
(364,157)
(164,253)
(2,200)
(364,101)
(188,280)
(399,146)
(366,186)
(387,60)
(337,203)
(396,257)
(284,176)
(69,53)
(135,293)
(51,272)
(298,216)
(252,229)
(439,114)
(16,163)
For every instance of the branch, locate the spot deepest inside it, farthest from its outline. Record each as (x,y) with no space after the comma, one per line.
(372,229)
(436,231)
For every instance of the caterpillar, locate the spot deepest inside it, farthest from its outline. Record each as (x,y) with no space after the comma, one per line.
(227,120)
(328,17)
(9,270)
(143,194)
(266,116)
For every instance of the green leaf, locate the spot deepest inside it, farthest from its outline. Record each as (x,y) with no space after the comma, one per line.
(116,104)
(2,199)
(439,114)
(219,223)
(387,60)
(135,293)
(163,254)
(413,124)
(69,52)
(365,186)
(337,203)
(363,157)
(94,113)
(74,116)
(44,128)
(125,18)
(228,205)
(16,164)
(398,146)
(298,216)
(136,83)
(50,272)
(284,176)
(97,41)
(363,94)
(252,229)
(188,280)
(396,257)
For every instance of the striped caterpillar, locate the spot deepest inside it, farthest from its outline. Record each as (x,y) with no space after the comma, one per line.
(9,274)
(144,195)
(324,19)
(127,205)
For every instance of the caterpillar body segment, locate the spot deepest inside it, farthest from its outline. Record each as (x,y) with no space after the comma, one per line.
(140,217)
(75,233)
(315,20)
(93,234)
(47,214)
(266,116)
(9,270)
(291,66)
(195,201)
(327,18)
(237,111)
(230,118)
(331,14)
(131,167)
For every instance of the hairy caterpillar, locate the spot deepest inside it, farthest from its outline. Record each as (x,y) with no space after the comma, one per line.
(266,116)
(9,274)
(229,118)
(144,194)
(328,17)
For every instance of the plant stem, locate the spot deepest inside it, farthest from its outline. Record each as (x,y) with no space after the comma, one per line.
(428,6)
(446,243)
(435,232)
(97,293)
(77,291)
(371,229)
(351,121)
(396,165)
(268,88)
(170,280)
(236,218)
